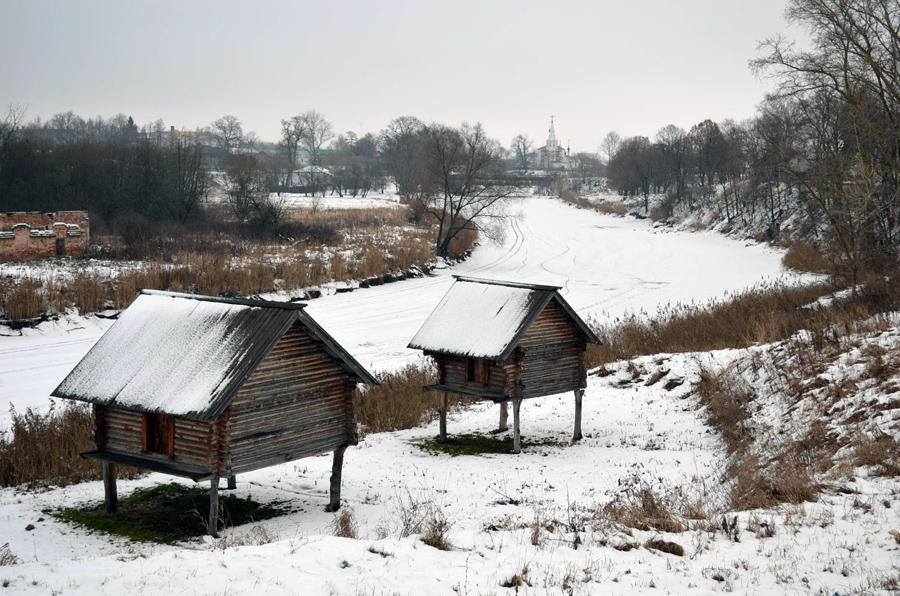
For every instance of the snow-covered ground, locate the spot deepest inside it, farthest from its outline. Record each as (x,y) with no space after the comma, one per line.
(607,266)
(636,435)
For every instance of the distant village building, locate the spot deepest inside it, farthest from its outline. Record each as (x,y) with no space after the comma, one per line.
(551,156)
(208,388)
(34,235)
(505,342)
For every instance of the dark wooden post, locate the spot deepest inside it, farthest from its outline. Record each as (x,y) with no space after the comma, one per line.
(337,466)
(504,417)
(111,495)
(443,417)
(579,393)
(232,482)
(214,506)
(517,441)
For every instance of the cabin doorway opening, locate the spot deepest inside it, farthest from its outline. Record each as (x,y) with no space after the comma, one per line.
(478,370)
(159,434)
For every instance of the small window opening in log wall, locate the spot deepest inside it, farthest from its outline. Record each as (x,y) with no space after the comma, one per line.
(478,370)
(159,434)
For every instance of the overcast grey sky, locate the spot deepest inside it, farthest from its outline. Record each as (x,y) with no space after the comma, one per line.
(633,66)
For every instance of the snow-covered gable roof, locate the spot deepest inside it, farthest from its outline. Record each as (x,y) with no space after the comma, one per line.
(186,355)
(482,318)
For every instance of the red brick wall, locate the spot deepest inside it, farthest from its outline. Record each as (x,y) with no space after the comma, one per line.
(33,235)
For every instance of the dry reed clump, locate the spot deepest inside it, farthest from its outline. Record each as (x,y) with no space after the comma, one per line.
(89,292)
(760,315)
(7,557)
(643,509)
(44,448)
(802,256)
(344,524)
(726,398)
(399,402)
(780,481)
(24,301)
(881,452)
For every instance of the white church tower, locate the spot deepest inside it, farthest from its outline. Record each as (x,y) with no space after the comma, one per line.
(552,156)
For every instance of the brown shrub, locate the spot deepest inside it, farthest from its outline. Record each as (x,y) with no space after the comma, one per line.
(760,315)
(782,481)
(44,448)
(463,243)
(806,257)
(643,509)
(611,208)
(399,402)
(726,398)
(881,452)
(344,524)
(673,548)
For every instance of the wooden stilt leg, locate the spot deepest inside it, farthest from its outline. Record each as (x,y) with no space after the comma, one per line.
(517,440)
(443,417)
(504,418)
(579,393)
(337,466)
(214,506)
(111,495)
(232,482)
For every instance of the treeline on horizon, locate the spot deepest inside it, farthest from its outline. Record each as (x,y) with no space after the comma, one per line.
(826,143)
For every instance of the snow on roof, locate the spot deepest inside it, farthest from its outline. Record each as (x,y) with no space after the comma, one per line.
(177,354)
(480,318)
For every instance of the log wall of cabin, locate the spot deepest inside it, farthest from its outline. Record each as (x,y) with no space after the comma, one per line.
(121,431)
(297,403)
(453,372)
(552,354)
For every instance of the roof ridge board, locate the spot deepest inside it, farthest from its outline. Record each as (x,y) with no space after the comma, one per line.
(239,301)
(509,284)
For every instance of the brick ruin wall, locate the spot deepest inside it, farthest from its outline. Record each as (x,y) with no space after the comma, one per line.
(26,236)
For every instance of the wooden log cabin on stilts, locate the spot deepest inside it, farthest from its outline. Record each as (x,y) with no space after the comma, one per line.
(506,342)
(208,388)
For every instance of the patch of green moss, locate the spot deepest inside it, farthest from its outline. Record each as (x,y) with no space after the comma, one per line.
(167,513)
(477,444)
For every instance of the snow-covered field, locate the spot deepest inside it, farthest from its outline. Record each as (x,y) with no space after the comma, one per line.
(607,267)
(636,435)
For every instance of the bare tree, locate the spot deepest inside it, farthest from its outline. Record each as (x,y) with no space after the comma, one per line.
(227,132)
(468,186)
(674,154)
(610,144)
(317,131)
(248,185)
(15,114)
(853,169)
(403,150)
(522,147)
